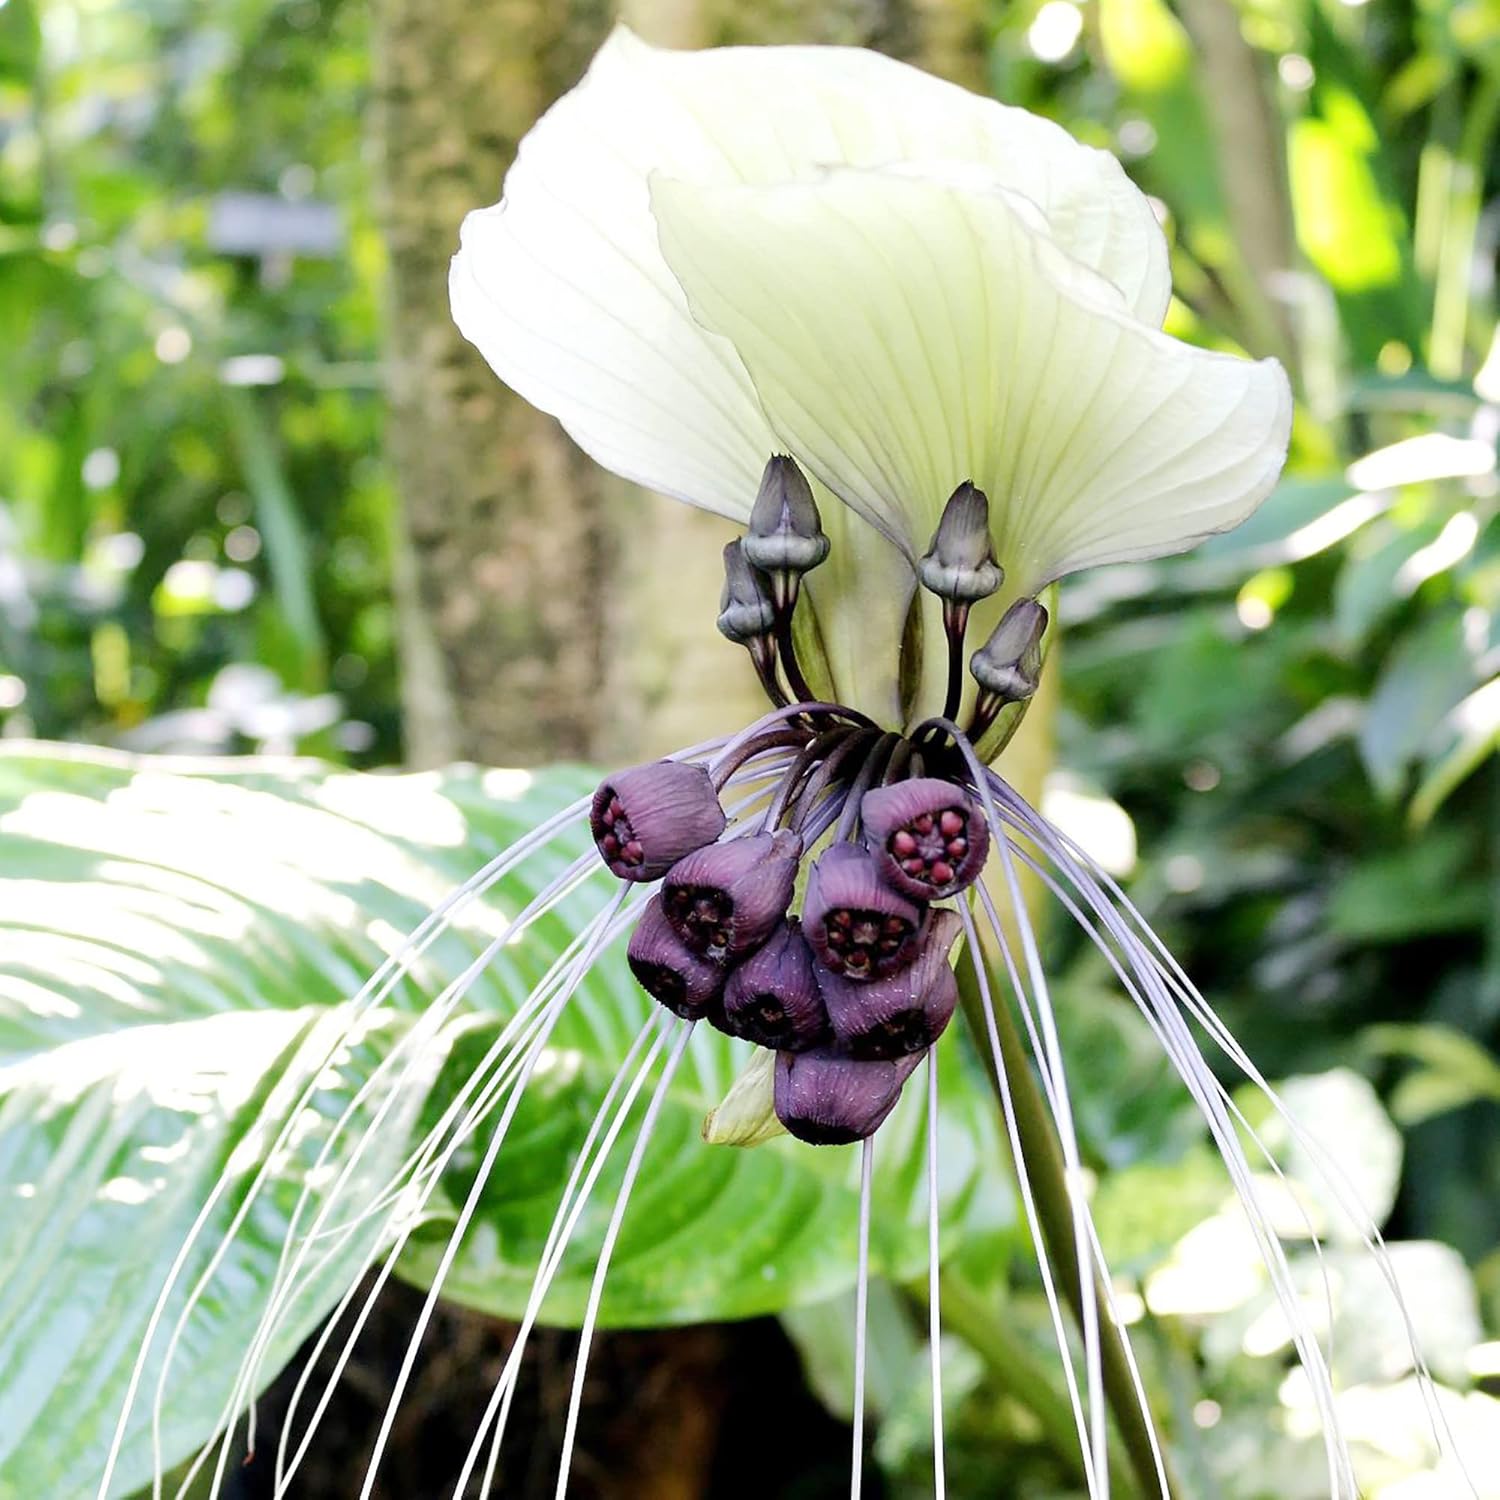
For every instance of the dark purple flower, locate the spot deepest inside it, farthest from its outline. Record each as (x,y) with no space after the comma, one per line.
(772,999)
(903,1012)
(645,819)
(725,899)
(857,925)
(826,1098)
(669,971)
(928,838)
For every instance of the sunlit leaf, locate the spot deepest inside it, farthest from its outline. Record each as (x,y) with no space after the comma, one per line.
(179,940)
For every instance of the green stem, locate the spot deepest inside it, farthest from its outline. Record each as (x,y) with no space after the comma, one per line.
(1450,310)
(1043,1160)
(1016,1371)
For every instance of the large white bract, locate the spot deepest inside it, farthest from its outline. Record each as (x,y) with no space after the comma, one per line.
(702,258)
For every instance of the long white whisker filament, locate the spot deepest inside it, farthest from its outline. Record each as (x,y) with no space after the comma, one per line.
(551,1016)
(575,1197)
(1028,1201)
(1047,1050)
(934,1293)
(575,974)
(407,1206)
(285,1283)
(861,1315)
(1093,1248)
(1337,1180)
(505,1072)
(606,1251)
(413,1051)
(1156,1005)
(375,989)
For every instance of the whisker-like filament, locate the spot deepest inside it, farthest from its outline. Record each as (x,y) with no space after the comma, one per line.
(1166,987)
(606,1252)
(934,1294)
(758,779)
(498,1075)
(861,1315)
(390,972)
(1048,1053)
(1028,1198)
(1158,986)
(551,1016)
(291,1260)
(587,1166)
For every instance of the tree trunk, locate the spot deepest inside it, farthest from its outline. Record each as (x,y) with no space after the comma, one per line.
(547,610)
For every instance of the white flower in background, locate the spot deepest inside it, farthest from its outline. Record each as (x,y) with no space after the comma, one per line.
(705,258)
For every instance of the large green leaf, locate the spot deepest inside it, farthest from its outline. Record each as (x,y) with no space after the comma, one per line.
(180,941)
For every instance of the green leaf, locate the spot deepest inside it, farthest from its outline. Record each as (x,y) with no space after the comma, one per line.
(1454,1069)
(1426,676)
(281,527)
(713,1231)
(1467,738)
(181,939)
(1413,892)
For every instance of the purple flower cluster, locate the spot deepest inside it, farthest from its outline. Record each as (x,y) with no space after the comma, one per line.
(852,993)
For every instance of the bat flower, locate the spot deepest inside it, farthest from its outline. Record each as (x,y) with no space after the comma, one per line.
(704,259)
(911,340)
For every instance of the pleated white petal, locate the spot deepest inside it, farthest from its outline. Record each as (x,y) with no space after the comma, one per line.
(906,332)
(563,288)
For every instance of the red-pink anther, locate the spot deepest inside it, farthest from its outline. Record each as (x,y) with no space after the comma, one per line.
(928,838)
(724,900)
(902,1013)
(858,926)
(645,819)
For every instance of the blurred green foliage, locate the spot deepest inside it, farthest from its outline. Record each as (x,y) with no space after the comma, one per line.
(1300,718)
(190,476)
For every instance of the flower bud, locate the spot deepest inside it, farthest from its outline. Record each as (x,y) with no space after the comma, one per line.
(723,901)
(1009,664)
(645,819)
(828,1099)
(785,532)
(746,612)
(928,838)
(960,563)
(772,998)
(669,971)
(746,1116)
(857,925)
(902,1013)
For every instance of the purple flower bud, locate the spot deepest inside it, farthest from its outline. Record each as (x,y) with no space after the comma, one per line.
(960,562)
(746,612)
(724,900)
(1009,664)
(785,534)
(772,998)
(904,1012)
(645,819)
(928,838)
(669,971)
(857,925)
(828,1099)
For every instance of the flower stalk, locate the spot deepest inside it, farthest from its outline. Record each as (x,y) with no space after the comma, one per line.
(1013,1368)
(1043,1162)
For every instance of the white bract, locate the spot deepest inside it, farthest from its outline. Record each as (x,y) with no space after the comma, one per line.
(704,258)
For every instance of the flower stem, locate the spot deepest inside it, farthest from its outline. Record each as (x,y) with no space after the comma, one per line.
(1045,1169)
(1019,1374)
